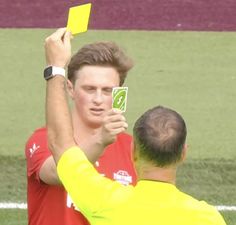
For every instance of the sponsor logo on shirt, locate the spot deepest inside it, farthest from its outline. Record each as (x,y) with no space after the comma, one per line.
(123,177)
(33,149)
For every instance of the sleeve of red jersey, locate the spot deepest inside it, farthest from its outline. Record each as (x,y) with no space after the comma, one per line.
(36,152)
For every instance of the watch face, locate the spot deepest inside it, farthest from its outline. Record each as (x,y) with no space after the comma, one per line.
(52,71)
(48,73)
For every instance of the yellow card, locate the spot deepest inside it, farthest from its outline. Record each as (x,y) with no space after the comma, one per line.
(78,18)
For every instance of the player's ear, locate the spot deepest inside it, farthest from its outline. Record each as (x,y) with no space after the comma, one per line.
(70,88)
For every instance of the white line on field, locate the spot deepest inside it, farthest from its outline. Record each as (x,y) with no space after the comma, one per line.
(12,205)
(15,205)
(226,208)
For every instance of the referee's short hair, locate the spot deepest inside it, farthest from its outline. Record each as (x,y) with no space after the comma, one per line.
(160,135)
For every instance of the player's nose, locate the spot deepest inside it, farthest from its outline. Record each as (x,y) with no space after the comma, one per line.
(98,98)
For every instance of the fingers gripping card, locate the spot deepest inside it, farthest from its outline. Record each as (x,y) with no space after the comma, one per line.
(78,18)
(119,98)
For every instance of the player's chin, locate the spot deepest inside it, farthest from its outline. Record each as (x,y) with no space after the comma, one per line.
(95,123)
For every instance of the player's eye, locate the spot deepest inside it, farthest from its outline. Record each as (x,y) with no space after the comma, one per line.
(89,88)
(107,90)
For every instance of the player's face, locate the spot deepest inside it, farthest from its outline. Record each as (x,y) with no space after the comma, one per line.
(92,93)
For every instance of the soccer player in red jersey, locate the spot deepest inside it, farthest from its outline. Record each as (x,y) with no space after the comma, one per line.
(92,73)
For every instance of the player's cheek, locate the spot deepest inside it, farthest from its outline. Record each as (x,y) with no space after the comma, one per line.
(109,101)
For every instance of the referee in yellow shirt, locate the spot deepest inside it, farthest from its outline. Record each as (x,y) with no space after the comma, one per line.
(158,149)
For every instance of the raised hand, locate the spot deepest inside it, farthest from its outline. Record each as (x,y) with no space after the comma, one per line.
(113,123)
(58,48)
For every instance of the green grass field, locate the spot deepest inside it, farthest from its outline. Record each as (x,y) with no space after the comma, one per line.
(192,72)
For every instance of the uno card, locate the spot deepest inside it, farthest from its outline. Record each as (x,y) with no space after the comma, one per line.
(119,98)
(78,18)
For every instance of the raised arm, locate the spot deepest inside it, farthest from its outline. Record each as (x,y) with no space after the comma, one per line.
(59,125)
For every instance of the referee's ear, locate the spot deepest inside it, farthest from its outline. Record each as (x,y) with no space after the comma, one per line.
(184,152)
(134,151)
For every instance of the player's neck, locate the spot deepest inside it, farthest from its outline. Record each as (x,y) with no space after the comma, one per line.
(81,129)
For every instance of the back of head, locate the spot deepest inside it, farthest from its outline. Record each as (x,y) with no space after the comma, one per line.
(160,134)
(100,54)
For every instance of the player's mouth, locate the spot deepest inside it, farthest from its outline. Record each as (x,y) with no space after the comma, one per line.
(96,111)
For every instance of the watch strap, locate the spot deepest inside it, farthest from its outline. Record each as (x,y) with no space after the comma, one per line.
(52,71)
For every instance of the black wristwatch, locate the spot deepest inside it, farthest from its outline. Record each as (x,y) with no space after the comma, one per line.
(52,71)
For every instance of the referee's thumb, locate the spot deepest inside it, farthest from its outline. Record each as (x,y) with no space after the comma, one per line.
(67,37)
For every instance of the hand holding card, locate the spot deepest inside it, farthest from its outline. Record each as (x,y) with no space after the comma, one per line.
(78,18)
(119,98)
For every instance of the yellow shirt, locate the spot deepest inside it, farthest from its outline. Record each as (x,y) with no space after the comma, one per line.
(104,201)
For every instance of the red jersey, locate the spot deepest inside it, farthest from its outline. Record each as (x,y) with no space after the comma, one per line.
(50,204)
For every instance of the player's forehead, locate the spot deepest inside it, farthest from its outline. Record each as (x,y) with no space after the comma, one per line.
(97,75)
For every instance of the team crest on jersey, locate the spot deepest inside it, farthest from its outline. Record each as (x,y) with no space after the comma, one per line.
(122,177)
